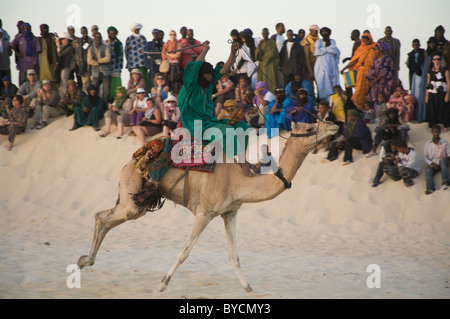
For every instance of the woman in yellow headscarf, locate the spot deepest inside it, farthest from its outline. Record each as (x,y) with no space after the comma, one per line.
(361,62)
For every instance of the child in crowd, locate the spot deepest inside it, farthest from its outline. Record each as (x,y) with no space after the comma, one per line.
(139,107)
(337,102)
(369,113)
(380,108)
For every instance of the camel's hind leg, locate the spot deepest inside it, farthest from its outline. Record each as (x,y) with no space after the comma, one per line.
(230,228)
(201,221)
(126,209)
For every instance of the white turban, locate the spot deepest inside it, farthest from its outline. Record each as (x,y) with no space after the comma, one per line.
(135,26)
(314,27)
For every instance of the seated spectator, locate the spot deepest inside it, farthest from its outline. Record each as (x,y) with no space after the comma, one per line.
(405,165)
(136,82)
(225,91)
(262,98)
(301,110)
(71,98)
(324,114)
(151,124)
(369,113)
(243,89)
(7,92)
(386,150)
(356,135)
(392,127)
(276,118)
(45,105)
(297,83)
(90,110)
(337,102)
(160,91)
(118,112)
(404,102)
(229,109)
(380,108)
(437,157)
(17,122)
(171,115)
(139,107)
(29,88)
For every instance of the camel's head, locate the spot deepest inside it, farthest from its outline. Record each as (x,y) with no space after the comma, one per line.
(309,135)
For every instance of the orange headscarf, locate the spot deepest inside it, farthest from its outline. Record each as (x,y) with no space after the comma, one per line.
(363,50)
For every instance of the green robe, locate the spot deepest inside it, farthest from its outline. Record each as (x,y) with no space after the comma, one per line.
(267,55)
(196,103)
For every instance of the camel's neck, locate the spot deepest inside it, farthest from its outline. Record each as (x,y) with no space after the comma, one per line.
(269,186)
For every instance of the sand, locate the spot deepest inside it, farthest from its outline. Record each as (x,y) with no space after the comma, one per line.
(315,240)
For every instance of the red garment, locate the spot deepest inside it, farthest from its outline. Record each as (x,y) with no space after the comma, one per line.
(188,55)
(171,46)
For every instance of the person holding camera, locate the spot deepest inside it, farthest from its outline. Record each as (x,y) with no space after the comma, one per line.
(437,95)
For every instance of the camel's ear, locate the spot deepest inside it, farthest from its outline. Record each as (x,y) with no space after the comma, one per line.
(295,126)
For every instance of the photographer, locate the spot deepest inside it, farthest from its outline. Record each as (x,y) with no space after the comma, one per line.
(437,95)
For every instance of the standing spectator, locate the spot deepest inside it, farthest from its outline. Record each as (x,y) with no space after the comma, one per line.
(437,157)
(243,90)
(394,51)
(45,105)
(134,52)
(355,37)
(173,76)
(300,36)
(116,52)
(118,112)
(94,31)
(81,46)
(326,68)
(248,54)
(17,122)
(437,95)
(90,110)
(404,102)
(188,55)
(27,48)
(152,51)
(418,78)
(292,58)
(99,59)
(66,54)
(356,135)
(279,40)
(380,74)
(443,45)
(308,44)
(7,92)
(49,56)
(5,53)
(267,56)
(361,62)
(5,33)
(29,88)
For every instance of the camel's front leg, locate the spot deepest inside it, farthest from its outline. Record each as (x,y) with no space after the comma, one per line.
(201,221)
(230,228)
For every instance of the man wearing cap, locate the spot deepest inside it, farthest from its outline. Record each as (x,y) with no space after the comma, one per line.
(27,48)
(136,82)
(30,87)
(5,53)
(66,54)
(99,59)
(116,52)
(134,52)
(45,105)
(308,44)
(49,55)
(94,30)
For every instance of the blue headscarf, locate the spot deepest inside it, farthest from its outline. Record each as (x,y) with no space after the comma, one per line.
(28,36)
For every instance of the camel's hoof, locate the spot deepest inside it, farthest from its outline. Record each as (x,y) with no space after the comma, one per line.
(84,261)
(248,289)
(163,285)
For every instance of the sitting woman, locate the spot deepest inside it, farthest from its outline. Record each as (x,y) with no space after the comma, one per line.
(356,135)
(404,102)
(160,90)
(171,116)
(71,98)
(301,110)
(139,107)
(151,124)
(90,110)
(118,112)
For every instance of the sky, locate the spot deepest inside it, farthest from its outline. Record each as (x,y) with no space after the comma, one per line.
(213,20)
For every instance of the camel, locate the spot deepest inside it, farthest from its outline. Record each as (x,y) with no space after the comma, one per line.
(210,195)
